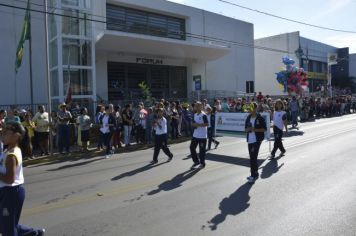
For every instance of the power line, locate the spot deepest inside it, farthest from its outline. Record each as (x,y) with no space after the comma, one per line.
(288,19)
(186,34)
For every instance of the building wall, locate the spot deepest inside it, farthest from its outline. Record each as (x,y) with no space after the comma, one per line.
(267,62)
(15,88)
(228,73)
(352,65)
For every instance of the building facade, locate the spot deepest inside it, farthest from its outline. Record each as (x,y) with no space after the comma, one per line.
(103,50)
(308,54)
(352,65)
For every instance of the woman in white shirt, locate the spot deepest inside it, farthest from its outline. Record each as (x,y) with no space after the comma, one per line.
(279,122)
(12,193)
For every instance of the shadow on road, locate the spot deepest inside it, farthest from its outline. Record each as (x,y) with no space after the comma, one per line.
(76,164)
(175,182)
(271,168)
(137,171)
(231,159)
(232,205)
(292,133)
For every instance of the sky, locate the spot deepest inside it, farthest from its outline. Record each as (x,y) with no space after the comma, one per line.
(338,14)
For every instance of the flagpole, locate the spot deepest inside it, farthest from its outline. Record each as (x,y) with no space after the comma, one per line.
(48,80)
(30,55)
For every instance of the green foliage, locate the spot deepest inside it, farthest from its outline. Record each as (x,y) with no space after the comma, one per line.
(146,91)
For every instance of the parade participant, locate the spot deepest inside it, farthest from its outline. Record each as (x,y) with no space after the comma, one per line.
(2,127)
(161,139)
(200,134)
(85,125)
(211,112)
(294,108)
(41,120)
(255,126)
(107,122)
(279,122)
(12,192)
(64,117)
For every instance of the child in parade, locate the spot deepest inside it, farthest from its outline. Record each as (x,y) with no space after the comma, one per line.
(279,122)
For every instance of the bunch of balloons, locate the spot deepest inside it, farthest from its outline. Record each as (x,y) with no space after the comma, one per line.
(293,80)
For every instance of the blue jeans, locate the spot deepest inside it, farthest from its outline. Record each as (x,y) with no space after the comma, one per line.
(11,202)
(63,137)
(295,118)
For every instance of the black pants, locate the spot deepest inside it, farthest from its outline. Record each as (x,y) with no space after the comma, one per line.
(202,150)
(140,134)
(174,129)
(253,149)
(211,138)
(107,142)
(161,143)
(278,135)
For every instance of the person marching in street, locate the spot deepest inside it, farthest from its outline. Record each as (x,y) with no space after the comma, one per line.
(211,112)
(12,192)
(200,134)
(255,126)
(161,139)
(279,122)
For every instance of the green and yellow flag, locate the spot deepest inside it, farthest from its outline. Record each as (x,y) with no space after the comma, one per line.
(25,35)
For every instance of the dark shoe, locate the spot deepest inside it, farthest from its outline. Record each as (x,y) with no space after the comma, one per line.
(272,156)
(251,179)
(40,232)
(217,144)
(154,162)
(170,158)
(283,153)
(202,166)
(194,166)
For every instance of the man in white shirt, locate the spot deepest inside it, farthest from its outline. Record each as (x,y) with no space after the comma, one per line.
(160,126)
(200,135)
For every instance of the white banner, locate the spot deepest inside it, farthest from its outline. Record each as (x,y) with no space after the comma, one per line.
(233,124)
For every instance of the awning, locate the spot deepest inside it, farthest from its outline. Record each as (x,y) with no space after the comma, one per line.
(116,41)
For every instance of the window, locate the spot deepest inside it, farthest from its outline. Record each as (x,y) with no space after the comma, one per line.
(80,81)
(76,52)
(142,22)
(75,23)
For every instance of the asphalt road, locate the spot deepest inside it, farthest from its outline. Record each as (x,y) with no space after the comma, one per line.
(310,191)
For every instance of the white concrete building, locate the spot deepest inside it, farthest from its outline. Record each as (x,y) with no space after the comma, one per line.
(308,54)
(106,48)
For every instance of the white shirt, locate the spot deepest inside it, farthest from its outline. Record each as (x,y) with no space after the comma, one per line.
(15,153)
(105,126)
(209,120)
(252,135)
(200,132)
(278,119)
(161,127)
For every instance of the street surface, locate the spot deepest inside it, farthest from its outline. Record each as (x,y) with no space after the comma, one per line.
(310,191)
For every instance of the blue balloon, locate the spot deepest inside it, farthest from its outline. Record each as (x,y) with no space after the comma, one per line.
(288,61)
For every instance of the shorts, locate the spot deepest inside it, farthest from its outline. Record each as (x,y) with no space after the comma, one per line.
(85,135)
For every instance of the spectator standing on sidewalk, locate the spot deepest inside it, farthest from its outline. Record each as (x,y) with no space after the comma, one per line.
(64,117)
(107,122)
(2,128)
(85,124)
(30,126)
(12,116)
(174,121)
(41,120)
(211,113)
(100,110)
(187,120)
(127,117)
(255,126)
(149,125)
(116,137)
(294,109)
(279,123)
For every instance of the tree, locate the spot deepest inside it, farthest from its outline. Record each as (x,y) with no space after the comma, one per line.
(146,92)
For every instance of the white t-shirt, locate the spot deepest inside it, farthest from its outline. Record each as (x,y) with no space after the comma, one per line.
(15,153)
(161,127)
(252,136)
(209,120)
(105,126)
(200,132)
(278,117)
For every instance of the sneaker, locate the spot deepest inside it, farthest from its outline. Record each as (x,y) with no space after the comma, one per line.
(194,166)
(40,232)
(202,166)
(170,158)
(107,156)
(216,145)
(154,162)
(251,179)
(283,153)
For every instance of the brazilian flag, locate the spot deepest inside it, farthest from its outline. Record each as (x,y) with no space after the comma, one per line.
(25,35)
